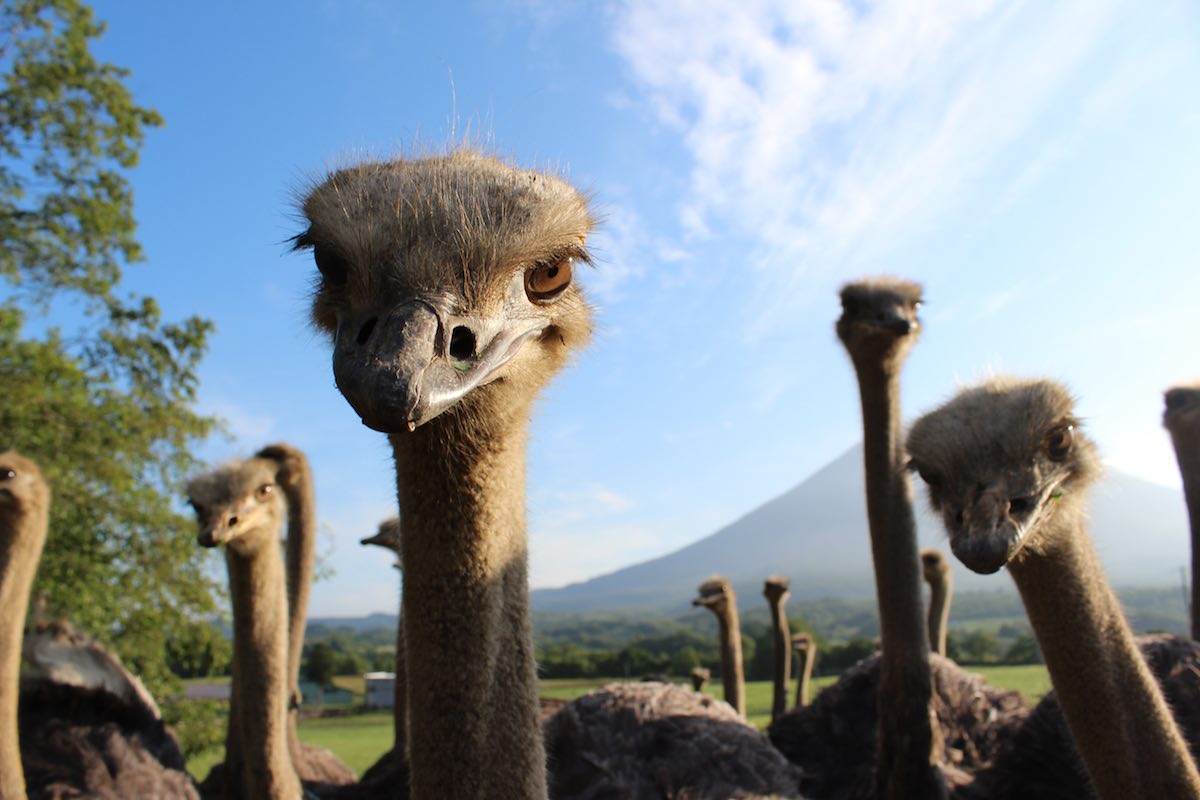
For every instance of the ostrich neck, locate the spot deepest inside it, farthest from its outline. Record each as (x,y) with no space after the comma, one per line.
(1187,453)
(803,675)
(256,582)
(939,614)
(301,555)
(22,537)
(472,696)
(782,657)
(731,659)
(1113,706)
(906,741)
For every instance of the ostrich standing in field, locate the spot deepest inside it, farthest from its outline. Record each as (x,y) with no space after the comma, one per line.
(239,506)
(294,478)
(878,327)
(806,653)
(717,595)
(387,536)
(936,570)
(446,286)
(86,727)
(1181,418)
(1008,469)
(775,589)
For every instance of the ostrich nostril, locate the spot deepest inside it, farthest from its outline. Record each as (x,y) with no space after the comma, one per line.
(364,333)
(462,343)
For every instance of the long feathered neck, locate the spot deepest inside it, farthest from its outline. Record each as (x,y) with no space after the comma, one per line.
(260,640)
(906,740)
(472,689)
(732,673)
(803,674)
(22,536)
(1114,708)
(939,613)
(296,480)
(782,656)
(1187,453)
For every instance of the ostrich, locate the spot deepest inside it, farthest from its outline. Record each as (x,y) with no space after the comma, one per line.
(832,737)
(775,589)
(806,653)
(654,740)
(717,595)
(1041,760)
(86,727)
(24,517)
(294,478)
(700,678)
(936,570)
(446,288)
(387,536)
(1008,468)
(1181,418)
(878,327)
(240,507)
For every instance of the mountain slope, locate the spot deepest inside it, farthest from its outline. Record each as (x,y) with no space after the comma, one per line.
(816,534)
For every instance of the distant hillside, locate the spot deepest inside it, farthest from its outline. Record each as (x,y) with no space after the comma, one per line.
(816,534)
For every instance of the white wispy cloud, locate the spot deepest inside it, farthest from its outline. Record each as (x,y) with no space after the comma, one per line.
(831,132)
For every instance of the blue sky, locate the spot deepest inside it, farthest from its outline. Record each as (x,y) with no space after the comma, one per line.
(1036,166)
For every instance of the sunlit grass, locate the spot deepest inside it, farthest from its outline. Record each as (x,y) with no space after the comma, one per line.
(360,739)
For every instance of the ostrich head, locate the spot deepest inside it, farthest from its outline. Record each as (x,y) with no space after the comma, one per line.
(386,536)
(23,491)
(934,566)
(1006,465)
(446,284)
(776,589)
(879,318)
(1182,408)
(802,642)
(716,595)
(238,505)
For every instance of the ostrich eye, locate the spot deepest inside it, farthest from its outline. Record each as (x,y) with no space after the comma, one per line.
(545,282)
(932,479)
(7,473)
(264,491)
(1058,442)
(332,266)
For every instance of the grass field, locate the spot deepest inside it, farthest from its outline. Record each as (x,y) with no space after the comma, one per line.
(361,738)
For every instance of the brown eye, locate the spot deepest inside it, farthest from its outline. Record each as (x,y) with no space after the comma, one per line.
(547,281)
(1058,442)
(332,266)
(264,491)
(7,473)
(931,479)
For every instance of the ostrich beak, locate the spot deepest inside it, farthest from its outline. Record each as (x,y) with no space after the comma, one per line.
(214,535)
(402,369)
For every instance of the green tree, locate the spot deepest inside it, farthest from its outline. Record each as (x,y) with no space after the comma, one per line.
(97,386)
(320,667)
(1024,650)
(973,647)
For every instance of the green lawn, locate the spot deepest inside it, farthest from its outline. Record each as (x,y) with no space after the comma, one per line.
(361,738)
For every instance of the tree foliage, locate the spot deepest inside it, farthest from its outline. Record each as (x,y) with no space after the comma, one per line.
(97,386)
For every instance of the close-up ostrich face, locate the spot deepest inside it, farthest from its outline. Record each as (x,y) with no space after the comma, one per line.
(880,311)
(235,502)
(1001,461)
(442,275)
